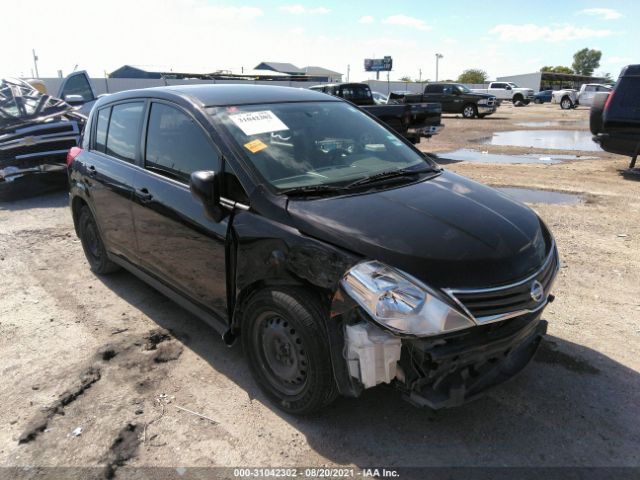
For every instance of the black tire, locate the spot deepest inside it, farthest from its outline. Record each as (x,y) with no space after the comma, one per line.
(566,103)
(284,338)
(597,110)
(482,115)
(93,245)
(527,102)
(469,110)
(517,98)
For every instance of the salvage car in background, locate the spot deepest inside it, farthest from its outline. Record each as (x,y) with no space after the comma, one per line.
(36,132)
(542,96)
(570,98)
(411,121)
(454,98)
(508,91)
(615,116)
(339,254)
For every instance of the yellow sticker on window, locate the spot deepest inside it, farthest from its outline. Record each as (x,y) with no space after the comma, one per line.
(255,146)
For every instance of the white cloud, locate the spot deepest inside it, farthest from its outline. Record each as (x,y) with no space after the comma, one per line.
(366,19)
(406,21)
(298,9)
(557,33)
(604,13)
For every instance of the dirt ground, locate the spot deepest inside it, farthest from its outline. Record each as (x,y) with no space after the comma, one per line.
(90,375)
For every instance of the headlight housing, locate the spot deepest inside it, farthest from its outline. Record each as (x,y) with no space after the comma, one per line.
(399,302)
(483,101)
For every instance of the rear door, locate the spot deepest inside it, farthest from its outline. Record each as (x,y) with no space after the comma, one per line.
(109,170)
(176,242)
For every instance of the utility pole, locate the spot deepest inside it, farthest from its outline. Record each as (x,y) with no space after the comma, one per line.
(348,72)
(438,57)
(420,76)
(35,62)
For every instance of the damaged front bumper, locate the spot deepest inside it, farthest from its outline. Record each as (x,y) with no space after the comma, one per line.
(435,372)
(450,371)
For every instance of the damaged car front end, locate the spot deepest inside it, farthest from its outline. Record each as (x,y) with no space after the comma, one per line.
(440,348)
(36,132)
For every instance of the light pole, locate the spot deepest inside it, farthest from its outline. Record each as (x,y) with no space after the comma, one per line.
(438,57)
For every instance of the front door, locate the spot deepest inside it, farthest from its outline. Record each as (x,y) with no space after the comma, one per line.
(176,242)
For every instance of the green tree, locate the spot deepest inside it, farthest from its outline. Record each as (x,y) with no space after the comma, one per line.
(473,75)
(585,61)
(557,69)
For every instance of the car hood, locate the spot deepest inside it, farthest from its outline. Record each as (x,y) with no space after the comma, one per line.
(479,95)
(447,231)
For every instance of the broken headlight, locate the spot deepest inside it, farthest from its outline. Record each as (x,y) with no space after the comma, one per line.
(400,302)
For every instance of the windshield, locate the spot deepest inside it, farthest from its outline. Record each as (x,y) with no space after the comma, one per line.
(463,89)
(315,143)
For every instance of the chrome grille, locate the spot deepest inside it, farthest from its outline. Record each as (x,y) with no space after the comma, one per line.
(492,304)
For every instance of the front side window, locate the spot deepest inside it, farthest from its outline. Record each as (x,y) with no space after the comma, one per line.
(177,145)
(124,130)
(306,144)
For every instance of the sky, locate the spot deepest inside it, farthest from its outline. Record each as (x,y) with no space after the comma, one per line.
(504,37)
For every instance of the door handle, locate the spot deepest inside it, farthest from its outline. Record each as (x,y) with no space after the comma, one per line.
(92,171)
(144,195)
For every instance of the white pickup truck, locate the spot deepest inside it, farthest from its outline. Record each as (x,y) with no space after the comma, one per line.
(571,98)
(508,91)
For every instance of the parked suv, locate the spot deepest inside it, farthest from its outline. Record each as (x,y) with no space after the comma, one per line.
(339,254)
(615,115)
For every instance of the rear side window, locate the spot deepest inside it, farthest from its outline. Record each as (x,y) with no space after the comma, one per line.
(356,92)
(124,130)
(101,129)
(177,145)
(434,89)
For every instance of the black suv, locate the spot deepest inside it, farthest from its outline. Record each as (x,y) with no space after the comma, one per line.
(615,116)
(340,255)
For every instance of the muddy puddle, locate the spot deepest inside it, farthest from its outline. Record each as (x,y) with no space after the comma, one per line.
(470,155)
(555,123)
(551,139)
(528,195)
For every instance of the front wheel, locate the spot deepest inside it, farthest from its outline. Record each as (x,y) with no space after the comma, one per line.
(566,103)
(469,111)
(284,338)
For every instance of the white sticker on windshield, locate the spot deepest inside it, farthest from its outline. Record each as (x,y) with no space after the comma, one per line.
(253,123)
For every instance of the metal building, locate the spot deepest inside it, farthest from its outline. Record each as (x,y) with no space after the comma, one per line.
(550,81)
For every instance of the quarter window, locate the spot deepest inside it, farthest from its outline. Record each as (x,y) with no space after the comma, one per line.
(124,131)
(177,145)
(101,129)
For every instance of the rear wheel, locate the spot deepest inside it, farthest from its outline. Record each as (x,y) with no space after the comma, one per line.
(93,245)
(284,338)
(566,103)
(469,110)
(537,101)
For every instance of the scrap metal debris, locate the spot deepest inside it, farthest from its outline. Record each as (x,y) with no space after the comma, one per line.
(36,132)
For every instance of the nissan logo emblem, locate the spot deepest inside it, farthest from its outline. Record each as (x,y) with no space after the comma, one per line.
(537,291)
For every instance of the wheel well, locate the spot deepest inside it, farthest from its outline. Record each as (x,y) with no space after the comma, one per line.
(76,205)
(247,292)
(518,96)
(565,97)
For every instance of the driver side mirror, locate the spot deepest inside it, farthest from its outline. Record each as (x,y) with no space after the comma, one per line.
(204,186)
(74,99)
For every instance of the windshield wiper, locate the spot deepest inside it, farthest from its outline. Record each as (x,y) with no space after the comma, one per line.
(389,174)
(311,189)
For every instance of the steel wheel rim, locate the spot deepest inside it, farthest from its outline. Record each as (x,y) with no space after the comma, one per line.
(281,352)
(92,240)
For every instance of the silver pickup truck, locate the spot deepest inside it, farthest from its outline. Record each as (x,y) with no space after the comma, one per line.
(571,98)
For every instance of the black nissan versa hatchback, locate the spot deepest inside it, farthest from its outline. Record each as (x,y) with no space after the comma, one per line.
(339,255)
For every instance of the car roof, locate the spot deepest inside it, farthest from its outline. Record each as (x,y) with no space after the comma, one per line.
(210,95)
